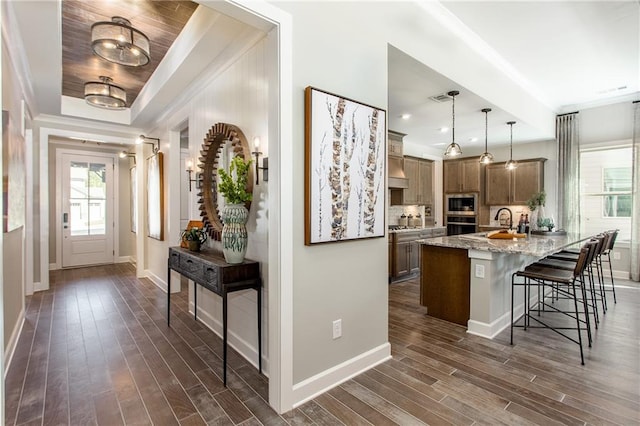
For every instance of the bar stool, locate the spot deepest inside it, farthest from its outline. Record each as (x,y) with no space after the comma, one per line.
(604,240)
(565,281)
(567,259)
(607,252)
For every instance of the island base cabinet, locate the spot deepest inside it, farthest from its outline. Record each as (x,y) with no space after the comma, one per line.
(444,283)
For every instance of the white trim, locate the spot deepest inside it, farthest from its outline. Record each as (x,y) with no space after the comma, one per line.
(124,259)
(322,382)
(37,286)
(246,350)
(159,282)
(54,266)
(13,342)
(491,330)
(28,229)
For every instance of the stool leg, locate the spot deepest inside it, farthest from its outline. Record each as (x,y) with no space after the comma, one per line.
(585,306)
(613,286)
(575,302)
(513,288)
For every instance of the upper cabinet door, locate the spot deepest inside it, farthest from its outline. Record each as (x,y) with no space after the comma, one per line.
(461,175)
(515,187)
(498,187)
(425,174)
(527,180)
(471,175)
(411,172)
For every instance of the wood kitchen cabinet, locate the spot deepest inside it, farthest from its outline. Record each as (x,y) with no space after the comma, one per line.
(461,175)
(419,173)
(509,187)
(404,251)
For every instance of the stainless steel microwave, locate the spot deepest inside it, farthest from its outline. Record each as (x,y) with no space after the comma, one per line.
(461,204)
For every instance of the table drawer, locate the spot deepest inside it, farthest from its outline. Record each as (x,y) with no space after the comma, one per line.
(191,268)
(211,277)
(174,259)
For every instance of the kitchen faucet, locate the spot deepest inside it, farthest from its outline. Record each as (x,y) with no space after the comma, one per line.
(510,216)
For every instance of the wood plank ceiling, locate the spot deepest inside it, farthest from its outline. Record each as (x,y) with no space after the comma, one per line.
(161,21)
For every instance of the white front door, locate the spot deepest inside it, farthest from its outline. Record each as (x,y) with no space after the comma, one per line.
(87,210)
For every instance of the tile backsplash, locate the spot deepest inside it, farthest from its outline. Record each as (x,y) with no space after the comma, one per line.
(516,210)
(396,211)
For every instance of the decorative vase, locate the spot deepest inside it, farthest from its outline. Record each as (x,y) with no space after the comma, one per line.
(193,245)
(234,232)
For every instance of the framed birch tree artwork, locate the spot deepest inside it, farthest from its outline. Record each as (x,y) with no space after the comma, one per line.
(344,168)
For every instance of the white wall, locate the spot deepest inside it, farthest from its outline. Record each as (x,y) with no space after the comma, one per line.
(238,96)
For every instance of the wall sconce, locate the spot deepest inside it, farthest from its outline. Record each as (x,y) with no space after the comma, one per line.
(265,161)
(143,139)
(125,154)
(198,178)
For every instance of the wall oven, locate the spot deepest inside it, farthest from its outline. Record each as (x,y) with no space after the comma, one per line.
(461,213)
(461,204)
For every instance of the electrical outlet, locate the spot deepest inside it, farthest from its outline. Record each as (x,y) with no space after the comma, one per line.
(337,329)
(616,255)
(479,271)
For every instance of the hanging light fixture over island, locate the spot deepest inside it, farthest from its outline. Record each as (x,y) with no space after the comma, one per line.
(453,150)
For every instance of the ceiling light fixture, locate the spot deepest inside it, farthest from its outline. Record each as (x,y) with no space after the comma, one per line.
(511,165)
(486,157)
(103,94)
(117,41)
(453,150)
(406,116)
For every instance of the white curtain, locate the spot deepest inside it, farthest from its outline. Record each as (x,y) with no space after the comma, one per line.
(568,172)
(635,211)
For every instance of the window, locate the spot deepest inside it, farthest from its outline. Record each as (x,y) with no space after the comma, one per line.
(605,190)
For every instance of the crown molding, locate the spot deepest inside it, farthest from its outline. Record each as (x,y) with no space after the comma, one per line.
(629,97)
(46,120)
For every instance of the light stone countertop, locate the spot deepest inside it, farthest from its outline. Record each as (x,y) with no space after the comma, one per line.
(399,231)
(533,245)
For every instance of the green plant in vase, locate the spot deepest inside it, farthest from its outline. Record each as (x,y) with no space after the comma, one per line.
(233,184)
(539,219)
(233,187)
(194,237)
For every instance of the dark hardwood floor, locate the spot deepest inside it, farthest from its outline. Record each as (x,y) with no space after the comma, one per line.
(95,349)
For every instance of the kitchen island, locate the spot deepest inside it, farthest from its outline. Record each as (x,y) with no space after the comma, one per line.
(466,279)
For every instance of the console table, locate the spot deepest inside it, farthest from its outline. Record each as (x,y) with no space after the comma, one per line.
(209,269)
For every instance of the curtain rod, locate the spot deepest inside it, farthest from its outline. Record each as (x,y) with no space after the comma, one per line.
(567,113)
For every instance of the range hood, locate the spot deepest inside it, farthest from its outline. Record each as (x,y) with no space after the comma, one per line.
(397,179)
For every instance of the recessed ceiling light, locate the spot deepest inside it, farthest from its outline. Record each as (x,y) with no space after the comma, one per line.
(406,116)
(440,144)
(444,129)
(473,139)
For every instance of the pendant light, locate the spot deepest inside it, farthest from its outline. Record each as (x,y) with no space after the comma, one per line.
(103,94)
(511,165)
(486,157)
(453,150)
(117,41)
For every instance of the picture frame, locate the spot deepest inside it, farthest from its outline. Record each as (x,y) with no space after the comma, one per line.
(133,192)
(155,197)
(345,164)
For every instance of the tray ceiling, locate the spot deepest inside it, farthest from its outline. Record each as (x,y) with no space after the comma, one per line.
(161,21)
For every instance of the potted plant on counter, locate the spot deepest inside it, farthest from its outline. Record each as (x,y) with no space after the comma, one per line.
(194,237)
(233,187)
(539,219)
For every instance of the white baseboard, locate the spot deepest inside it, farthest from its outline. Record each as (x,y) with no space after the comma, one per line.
(320,383)
(248,351)
(38,286)
(13,341)
(159,282)
(491,330)
(124,259)
(54,266)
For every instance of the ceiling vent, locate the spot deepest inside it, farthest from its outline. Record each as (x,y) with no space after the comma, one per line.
(443,97)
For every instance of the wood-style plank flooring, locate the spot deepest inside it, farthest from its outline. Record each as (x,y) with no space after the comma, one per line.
(95,349)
